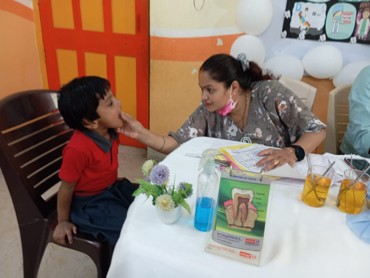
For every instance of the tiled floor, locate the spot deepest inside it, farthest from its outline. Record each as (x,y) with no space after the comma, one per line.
(57,261)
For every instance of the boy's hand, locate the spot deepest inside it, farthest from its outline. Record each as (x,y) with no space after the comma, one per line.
(64,231)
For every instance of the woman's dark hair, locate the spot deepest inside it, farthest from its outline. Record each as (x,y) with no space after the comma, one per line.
(79,99)
(225,68)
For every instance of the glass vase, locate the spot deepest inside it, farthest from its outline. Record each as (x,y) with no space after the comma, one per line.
(169,217)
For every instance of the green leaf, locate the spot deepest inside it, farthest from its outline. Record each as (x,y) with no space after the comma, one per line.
(185,205)
(176,196)
(148,189)
(138,191)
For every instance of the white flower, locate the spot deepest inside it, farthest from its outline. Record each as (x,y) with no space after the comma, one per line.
(193,132)
(258,133)
(165,202)
(232,129)
(147,167)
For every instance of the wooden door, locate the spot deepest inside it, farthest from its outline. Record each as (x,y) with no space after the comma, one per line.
(108,38)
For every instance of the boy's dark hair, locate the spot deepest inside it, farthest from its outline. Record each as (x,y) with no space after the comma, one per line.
(79,99)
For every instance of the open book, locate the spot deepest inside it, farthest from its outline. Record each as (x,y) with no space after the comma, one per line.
(244,157)
(240,220)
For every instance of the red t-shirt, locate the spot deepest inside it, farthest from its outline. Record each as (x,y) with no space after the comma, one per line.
(85,163)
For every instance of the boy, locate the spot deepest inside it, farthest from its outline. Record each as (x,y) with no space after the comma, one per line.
(90,197)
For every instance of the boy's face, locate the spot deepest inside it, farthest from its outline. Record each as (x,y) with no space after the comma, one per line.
(109,110)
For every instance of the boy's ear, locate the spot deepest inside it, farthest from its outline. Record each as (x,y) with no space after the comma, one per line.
(90,124)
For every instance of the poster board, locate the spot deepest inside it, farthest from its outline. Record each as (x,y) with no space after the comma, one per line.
(341,21)
(240,219)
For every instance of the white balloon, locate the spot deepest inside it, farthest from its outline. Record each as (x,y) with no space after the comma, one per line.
(250,46)
(285,65)
(253,17)
(349,73)
(324,61)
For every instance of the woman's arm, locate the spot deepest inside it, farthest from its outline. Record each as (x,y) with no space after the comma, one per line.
(134,129)
(277,157)
(309,141)
(300,123)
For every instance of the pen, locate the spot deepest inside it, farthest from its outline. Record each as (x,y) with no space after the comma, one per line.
(193,155)
(217,161)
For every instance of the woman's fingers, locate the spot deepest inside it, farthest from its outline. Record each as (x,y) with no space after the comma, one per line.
(274,158)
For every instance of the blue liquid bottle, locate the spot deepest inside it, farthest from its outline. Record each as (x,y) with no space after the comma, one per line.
(204,213)
(207,189)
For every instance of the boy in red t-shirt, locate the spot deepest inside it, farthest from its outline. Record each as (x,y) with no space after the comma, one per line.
(91,199)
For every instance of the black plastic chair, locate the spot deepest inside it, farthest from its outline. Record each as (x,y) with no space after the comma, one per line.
(32,137)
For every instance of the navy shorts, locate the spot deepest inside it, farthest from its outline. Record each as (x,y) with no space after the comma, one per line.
(103,215)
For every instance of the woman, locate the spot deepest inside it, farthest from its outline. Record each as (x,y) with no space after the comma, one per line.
(241,103)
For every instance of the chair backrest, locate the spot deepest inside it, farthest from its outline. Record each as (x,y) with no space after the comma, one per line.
(303,90)
(337,119)
(32,136)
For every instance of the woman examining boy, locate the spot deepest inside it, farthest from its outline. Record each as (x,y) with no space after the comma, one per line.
(241,103)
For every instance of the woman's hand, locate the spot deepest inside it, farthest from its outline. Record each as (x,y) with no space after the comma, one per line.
(275,157)
(130,127)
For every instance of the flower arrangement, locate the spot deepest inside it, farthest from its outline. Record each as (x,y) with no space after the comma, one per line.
(155,184)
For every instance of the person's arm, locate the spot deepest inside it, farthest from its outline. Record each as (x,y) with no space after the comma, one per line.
(277,157)
(309,141)
(64,228)
(359,113)
(301,124)
(362,142)
(134,129)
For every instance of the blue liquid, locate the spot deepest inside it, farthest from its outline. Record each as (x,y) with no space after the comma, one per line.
(204,213)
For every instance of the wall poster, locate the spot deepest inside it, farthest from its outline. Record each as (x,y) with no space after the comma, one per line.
(328,20)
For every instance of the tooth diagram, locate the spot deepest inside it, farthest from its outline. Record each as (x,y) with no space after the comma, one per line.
(240,211)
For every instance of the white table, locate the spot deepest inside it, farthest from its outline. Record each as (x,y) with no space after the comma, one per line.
(300,241)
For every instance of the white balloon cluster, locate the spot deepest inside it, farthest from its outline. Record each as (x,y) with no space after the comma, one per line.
(253,17)
(251,46)
(349,72)
(323,61)
(285,65)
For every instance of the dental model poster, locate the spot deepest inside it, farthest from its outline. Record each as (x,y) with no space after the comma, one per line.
(240,220)
(328,20)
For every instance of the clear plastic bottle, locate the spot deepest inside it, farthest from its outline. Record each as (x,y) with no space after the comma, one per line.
(207,190)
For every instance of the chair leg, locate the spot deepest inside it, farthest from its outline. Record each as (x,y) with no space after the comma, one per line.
(100,253)
(105,260)
(34,238)
(102,259)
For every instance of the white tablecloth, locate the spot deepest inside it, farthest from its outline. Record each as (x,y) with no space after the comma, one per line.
(300,241)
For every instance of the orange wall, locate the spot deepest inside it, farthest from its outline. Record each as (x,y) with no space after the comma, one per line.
(19,57)
(174,91)
(182,35)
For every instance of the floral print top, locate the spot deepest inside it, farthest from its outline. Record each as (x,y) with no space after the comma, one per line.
(276,117)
